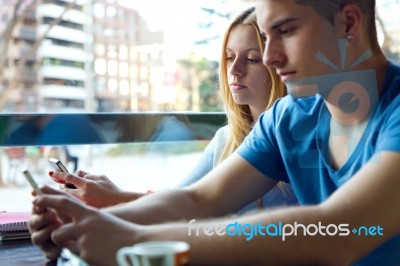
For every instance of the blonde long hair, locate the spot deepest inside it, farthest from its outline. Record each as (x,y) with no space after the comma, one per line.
(239,117)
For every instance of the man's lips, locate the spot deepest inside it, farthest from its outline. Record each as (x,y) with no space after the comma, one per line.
(285,75)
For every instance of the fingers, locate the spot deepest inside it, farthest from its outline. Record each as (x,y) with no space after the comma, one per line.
(94,177)
(38,222)
(63,178)
(40,209)
(41,227)
(51,251)
(51,191)
(79,179)
(88,176)
(81,173)
(65,206)
(42,237)
(66,236)
(45,190)
(56,178)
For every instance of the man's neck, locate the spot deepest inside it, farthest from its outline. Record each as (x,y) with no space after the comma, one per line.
(366,102)
(343,139)
(382,64)
(346,128)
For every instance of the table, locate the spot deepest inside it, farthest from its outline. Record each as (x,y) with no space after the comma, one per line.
(22,253)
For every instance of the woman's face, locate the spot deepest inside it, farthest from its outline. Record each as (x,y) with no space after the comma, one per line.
(249,81)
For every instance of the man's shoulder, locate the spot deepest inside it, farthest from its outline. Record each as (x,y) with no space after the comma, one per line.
(390,97)
(296,107)
(392,77)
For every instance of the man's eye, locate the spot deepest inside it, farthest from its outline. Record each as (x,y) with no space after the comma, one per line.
(286,31)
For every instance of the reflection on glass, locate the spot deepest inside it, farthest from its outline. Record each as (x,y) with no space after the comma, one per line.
(138,151)
(69,129)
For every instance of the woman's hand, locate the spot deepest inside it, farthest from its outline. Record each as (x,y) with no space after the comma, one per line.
(95,190)
(92,234)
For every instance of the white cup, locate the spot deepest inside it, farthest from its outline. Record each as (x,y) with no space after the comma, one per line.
(155,253)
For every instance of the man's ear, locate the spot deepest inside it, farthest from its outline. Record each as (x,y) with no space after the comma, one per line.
(350,18)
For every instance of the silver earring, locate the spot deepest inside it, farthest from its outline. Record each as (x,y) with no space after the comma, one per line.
(350,37)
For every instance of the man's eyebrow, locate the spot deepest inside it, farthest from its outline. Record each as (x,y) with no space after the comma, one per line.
(277,24)
(281,22)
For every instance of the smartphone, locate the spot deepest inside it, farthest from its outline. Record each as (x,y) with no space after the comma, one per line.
(32,182)
(59,166)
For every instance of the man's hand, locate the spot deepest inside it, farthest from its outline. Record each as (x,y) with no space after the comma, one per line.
(93,235)
(42,223)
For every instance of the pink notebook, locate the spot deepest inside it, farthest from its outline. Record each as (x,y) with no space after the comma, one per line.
(14,225)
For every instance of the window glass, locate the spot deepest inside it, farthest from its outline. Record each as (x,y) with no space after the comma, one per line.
(98,42)
(137,151)
(114,56)
(148,40)
(388,26)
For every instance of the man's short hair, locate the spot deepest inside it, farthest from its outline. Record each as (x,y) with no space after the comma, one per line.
(328,8)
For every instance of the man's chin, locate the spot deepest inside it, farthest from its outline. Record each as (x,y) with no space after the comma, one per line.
(301,87)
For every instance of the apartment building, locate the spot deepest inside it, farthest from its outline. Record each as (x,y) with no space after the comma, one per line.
(18,77)
(63,55)
(101,56)
(92,55)
(125,54)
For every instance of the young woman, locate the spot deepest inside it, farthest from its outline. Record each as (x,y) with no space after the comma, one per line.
(248,88)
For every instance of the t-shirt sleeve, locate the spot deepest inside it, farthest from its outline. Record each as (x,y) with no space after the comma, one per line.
(260,147)
(390,136)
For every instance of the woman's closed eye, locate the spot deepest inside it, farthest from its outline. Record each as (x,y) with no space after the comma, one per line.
(254,60)
(229,59)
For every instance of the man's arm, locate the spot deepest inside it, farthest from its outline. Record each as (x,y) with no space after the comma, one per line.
(226,189)
(370,198)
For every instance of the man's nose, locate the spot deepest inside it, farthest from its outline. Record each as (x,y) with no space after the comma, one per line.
(273,54)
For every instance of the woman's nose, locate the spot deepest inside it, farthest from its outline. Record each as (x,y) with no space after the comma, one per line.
(236,69)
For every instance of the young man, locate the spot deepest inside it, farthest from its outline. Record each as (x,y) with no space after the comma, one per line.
(339,149)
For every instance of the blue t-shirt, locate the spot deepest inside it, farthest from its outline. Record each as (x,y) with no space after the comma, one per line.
(290,143)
